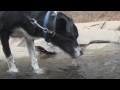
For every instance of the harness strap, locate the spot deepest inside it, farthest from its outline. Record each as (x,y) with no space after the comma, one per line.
(47,34)
(45,31)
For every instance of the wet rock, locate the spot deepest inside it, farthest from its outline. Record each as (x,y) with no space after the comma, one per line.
(102,63)
(96,46)
(109,25)
(42,50)
(112,25)
(90,35)
(98,25)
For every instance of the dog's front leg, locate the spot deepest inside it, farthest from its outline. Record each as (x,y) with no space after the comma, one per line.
(34,61)
(7,52)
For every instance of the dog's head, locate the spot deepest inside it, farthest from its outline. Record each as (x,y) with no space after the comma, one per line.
(66,35)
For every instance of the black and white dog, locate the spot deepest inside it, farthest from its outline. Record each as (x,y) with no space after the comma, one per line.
(54,26)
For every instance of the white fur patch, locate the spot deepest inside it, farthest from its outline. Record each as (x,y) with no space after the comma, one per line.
(34,61)
(31,50)
(11,65)
(19,33)
(77,51)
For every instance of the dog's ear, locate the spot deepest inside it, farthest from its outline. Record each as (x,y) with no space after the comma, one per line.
(65,21)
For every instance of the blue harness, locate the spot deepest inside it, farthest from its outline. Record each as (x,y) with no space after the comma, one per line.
(46,35)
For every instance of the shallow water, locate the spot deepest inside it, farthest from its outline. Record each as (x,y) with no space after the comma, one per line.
(102,63)
(56,67)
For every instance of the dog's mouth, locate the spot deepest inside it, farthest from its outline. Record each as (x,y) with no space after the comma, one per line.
(77,52)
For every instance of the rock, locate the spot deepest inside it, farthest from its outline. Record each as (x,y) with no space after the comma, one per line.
(99,31)
(96,46)
(82,26)
(21,43)
(47,46)
(88,35)
(17,52)
(109,25)
(112,25)
(42,50)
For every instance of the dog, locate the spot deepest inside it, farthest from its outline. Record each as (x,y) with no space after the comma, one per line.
(54,26)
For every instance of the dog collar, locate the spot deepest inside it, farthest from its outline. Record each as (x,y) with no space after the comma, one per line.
(45,25)
(46,19)
(46,35)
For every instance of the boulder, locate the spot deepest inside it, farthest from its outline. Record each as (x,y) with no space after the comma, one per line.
(89,35)
(96,46)
(109,25)
(18,52)
(112,25)
(82,26)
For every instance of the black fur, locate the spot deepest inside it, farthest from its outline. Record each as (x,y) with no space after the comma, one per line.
(10,20)
(66,32)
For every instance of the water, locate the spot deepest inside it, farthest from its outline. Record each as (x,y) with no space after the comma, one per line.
(74,62)
(58,66)
(94,64)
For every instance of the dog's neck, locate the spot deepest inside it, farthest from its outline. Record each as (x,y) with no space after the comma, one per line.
(40,17)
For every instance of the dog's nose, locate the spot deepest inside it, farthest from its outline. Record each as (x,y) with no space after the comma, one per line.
(81,52)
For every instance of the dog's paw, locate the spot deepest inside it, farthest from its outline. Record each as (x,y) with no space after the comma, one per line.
(39,71)
(13,70)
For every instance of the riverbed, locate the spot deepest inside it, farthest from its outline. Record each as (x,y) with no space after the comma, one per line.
(102,63)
